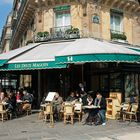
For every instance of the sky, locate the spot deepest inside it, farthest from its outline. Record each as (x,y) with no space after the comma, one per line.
(5,8)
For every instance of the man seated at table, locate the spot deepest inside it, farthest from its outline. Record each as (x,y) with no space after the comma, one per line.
(27,100)
(71,97)
(57,102)
(100,102)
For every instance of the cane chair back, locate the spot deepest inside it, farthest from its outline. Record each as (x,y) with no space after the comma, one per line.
(124,107)
(132,114)
(68,113)
(29,109)
(48,114)
(134,108)
(78,110)
(3,112)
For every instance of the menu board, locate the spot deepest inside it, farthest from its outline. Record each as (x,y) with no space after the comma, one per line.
(50,96)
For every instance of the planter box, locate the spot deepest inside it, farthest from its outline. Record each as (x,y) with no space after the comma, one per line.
(119,40)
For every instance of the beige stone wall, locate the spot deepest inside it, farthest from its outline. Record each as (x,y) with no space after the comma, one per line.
(127,27)
(45,21)
(48,20)
(76,16)
(105,23)
(136,31)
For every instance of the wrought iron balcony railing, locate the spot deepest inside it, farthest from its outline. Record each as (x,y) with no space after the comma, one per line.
(118,35)
(17,14)
(58,33)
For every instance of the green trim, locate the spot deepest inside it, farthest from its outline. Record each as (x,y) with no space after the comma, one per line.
(31,66)
(3,61)
(97,58)
(62,8)
(135,49)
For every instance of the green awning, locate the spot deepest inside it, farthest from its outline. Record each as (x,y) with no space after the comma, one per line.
(31,66)
(91,50)
(98,58)
(40,57)
(2,62)
(134,48)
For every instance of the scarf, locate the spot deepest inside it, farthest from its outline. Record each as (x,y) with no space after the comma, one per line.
(97,102)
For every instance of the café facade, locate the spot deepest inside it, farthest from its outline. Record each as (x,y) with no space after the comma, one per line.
(61,65)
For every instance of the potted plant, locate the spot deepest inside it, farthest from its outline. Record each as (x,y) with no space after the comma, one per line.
(72,33)
(118,37)
(75,31)
(46,34)
(69,31)
(40,34)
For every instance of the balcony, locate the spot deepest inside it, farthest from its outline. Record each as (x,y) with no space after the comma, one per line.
(21,19)
(58,33)
(118,36)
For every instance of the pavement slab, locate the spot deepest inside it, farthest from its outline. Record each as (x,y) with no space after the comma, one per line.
(30,128)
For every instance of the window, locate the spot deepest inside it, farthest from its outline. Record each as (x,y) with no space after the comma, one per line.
(62,16)
(116,22)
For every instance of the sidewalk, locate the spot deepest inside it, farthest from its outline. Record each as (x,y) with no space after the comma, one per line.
(30,128)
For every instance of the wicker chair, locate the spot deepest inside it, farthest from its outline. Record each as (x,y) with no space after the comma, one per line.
(68,113)
(3,112)
(121,111)
(78,110)
(29,110)
(129,115)
(48,114)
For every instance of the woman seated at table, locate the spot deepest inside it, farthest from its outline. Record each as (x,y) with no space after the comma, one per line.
(19,96)
(88,102)
(3,96)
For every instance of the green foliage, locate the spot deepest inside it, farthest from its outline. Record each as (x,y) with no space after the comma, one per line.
(43,34)
(72,31)
(75,30)
(46,33)
(40,34)
(118,36)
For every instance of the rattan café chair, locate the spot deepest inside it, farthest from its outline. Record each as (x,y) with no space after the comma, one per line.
(78,110)
(3,112)
(132,114)
(48,114)
(68,113)
(121,111)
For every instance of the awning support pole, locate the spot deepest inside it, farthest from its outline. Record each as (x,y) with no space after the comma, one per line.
(39,87)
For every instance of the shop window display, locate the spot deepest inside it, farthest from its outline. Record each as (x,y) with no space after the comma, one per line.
(131,87)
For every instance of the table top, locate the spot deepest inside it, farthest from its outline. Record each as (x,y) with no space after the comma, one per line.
(4,103)
(90,107)
(19,101)
(43,105)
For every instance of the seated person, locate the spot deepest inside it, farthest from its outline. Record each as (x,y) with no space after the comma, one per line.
(57,102)
(18,96)
(71,98)
(11,102)
(83,95)
(27,100)
(101,103)
(89,101)
(3,96)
